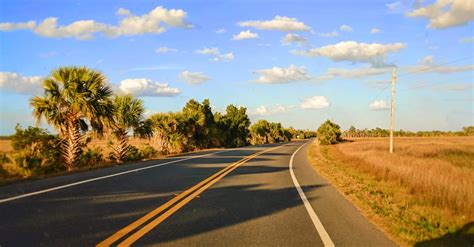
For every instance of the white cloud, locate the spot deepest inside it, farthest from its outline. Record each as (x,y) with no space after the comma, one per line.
(215,53)
(270,110)
(346,28)
(427,65)
(332,34)
(194,77)
(315,102)
(130,24)
(146,87)
(459,87)
(221,31)
(374,30)
(446,13)
(467,40)
(20,84)
(165,49)
(208,51)
(245,35)
(278,75)
(378,105)
(10,26)
(352,51)
(224,57)
(280,23)
(393,6)
(332,73)
(293,38)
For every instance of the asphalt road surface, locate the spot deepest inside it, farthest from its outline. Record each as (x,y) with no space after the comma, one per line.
(238,197)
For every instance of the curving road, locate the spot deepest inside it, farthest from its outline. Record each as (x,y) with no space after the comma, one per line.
(236,197)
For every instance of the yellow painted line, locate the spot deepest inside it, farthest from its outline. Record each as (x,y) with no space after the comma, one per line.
(148,227)
(129,228)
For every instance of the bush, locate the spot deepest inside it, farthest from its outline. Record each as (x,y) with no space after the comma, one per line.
(134,154)
(329,133)
(148,152)
(4,159)
(37,152)
(91,157)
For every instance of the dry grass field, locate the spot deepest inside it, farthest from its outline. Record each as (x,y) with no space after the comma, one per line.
(422,191)
(5,146)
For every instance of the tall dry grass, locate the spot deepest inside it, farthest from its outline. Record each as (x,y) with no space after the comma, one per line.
(440,170)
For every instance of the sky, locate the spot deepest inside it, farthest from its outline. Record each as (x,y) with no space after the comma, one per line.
(294,62)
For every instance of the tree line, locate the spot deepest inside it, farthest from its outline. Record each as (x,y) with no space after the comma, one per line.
(379,132)
(81,106)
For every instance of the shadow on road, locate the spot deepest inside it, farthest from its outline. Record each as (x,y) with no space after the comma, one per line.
(223,207)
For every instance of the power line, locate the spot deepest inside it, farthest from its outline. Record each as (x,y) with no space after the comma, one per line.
(422,70)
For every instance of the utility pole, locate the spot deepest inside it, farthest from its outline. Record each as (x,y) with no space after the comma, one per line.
(392,106)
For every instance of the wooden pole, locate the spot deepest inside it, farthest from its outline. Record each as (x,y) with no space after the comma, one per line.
(392,109)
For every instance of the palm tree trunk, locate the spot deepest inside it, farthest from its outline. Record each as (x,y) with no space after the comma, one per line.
(71,148)
(122,146)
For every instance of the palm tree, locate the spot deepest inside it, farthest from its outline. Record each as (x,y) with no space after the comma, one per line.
(128,115)
(73,99)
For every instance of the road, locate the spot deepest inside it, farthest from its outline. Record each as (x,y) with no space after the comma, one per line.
(201,199)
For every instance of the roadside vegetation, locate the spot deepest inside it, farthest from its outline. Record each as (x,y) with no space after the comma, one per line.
(97,128)
(422,193)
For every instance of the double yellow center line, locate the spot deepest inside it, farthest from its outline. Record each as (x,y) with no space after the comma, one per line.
(171,206)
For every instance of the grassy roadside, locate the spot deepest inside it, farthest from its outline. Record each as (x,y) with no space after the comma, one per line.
(11,180)
(390,203)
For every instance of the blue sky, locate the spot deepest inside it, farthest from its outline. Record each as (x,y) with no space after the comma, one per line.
(297,62)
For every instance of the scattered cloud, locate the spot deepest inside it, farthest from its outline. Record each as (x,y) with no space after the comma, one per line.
(208,51)
(427,65)
(378,105)
(145,87)
(130,24)
(224,57)
(194,78)
(393,6)
(315,102)
(352,51)
(346,28)
(245,35)
(165,49)
(374,30)
(467,40)
(280,23)
(221,31)
(332,34)
(215,53)
(457,87)
(49,54)
(270,110)
(332,73)
(293,38)
(20,84)
(277,75)
(161,67)
(446,13)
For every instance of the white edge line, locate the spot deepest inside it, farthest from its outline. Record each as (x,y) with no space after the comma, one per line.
(317,223)
(104,177)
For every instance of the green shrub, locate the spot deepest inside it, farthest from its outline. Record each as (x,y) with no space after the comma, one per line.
(91,157)
(37,152)
(134,154)
(148,151)
(4,159)
(329,133)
